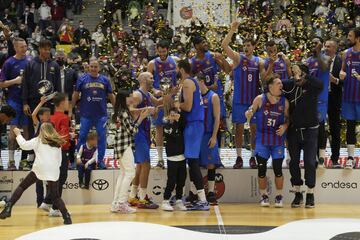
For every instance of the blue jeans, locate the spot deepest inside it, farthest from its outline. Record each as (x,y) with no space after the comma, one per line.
(100,124)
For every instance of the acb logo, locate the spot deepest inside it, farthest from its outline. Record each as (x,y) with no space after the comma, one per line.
(219,185)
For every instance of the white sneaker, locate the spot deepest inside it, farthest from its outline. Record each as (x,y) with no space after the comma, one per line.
(45,207)
(54,213)
(166,206)
(122,208)
(265,202)
(349,163)
(279,201)
(114,207)
(179,206)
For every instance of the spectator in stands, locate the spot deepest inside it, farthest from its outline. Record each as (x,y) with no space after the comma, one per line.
(283,23)
(68,75)
(36,13)
(27,18)
(322,10)
(66,32)
(81,32)
(78,7)
(94,49)
(57,13)
(98,36)
(83,50)
(45,15)
(13,12)
(36,35)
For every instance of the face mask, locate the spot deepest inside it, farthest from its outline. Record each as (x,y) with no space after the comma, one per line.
(108,31)
(99,30)
(146,36)
(357,23)
(135,54)
(81,26)
(143,45)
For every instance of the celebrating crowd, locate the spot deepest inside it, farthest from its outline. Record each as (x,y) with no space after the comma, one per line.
(186,84)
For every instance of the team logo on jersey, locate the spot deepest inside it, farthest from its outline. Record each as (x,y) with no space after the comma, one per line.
(205,99)
(280,151)
(266,112)
(348,63)
(256,64)
(208,62)
(316,64)
(94,92)
(171,65)
(244,68)
(281,108)
(281,65)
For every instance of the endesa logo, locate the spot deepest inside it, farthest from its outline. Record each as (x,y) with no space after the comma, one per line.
(69,185)
(339,185)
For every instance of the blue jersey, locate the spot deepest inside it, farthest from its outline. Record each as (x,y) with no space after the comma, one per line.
(94,93)
(316,71)
(209,113)
(278,68)
(166,69)
(268,119)
(246,80)
(351,84)
(197,110)
(11,69)
(145,125)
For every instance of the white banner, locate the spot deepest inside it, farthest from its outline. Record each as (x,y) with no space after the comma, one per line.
(208,11)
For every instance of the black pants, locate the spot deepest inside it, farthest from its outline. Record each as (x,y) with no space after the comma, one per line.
(176,175)
(334,111)
(53,189)
(306,140)
(85,172)
(62,178)
(322,136)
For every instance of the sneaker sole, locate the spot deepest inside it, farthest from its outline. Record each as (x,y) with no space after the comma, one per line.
(307,206)
(295,206)
(279,206)
(265,205)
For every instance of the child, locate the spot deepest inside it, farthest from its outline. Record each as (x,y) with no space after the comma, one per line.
(124,147)
(176,164)
(46,167)
(86,159)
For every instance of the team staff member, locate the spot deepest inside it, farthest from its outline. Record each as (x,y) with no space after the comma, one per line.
(302,93)
(11,78)
(95,89)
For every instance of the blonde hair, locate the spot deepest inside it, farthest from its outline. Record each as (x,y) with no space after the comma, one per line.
(48,135)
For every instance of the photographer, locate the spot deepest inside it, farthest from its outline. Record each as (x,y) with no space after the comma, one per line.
(302,92)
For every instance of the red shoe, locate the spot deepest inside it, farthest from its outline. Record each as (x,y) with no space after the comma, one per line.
(252,163)
(239,163)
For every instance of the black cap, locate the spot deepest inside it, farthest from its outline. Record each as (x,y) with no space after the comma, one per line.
(197,39)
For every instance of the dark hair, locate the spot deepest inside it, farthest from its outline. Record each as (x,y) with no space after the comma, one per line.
(163,44)
(45,43)
(43,110)
(184,64)
(8,111)
(120,103)
(304,68)
(59,98)
(18,39)
(356,32)
(320,39)
(270,43)
(197,39)
(250,40)
(91,135)
(272,79)
(200,76)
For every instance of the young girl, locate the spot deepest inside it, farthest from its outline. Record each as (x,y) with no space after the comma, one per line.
(124,147)
(86,159)
(47,147)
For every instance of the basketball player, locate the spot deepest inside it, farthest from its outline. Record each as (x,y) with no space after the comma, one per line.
(143,99)
(191,103)
(209,154)
(350,74)
(95,89)
(246,87)
(319,67)
(10,78)
(162,67)
(272,111)
(208,63)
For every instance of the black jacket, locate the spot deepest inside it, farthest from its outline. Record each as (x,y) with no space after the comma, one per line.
(33,75)
(303,102)
(336,89)
(70,81)
(174,137)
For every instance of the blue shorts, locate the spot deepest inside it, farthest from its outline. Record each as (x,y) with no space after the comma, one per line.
(193,134)
(142,148)
(209,155)
(276,152)
(21,119)
(350,110)
(322,111)
(238,113)
(159,120)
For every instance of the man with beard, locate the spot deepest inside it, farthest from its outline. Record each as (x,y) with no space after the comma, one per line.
(192,104)
(318,65)
(350,74)
(208,63)
(302,92)
(143,99)
(163,68)
(247,69)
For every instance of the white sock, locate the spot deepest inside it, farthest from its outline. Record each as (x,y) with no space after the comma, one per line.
(211,186)
(287,154)
(134,191)
(252,153)
(160,152)
(310,190)
(201,194)
(279,192)
(31,157)
(11,155)
(142,193)
(238,152)
(297,188)
(193,188)
(322,153)
(263,192)
(350,149)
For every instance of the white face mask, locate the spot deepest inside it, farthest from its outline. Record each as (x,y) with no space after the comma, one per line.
(99,30)
(357,22)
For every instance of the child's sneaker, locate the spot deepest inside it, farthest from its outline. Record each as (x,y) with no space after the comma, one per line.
(264,202)
(279,201)
(54,213)
(165,205)
(45,207)
(179,205)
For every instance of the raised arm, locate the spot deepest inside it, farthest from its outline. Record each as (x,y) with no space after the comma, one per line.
(235,56)
(34,114)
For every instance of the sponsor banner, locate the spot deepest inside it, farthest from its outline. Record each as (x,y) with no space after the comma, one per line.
(213,11)
(6,183)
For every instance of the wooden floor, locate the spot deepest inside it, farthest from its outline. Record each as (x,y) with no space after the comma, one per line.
(26,219)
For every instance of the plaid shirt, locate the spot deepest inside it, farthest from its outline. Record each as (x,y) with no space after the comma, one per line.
(124,136)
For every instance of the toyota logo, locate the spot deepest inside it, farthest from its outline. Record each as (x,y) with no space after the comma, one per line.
(100,184)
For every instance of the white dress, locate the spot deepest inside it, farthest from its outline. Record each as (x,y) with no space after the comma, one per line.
(47,159)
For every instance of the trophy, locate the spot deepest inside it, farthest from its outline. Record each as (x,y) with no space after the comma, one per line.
(46,88)
(166,87)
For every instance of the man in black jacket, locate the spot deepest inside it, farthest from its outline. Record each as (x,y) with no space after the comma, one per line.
(335,97)
(302,93)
